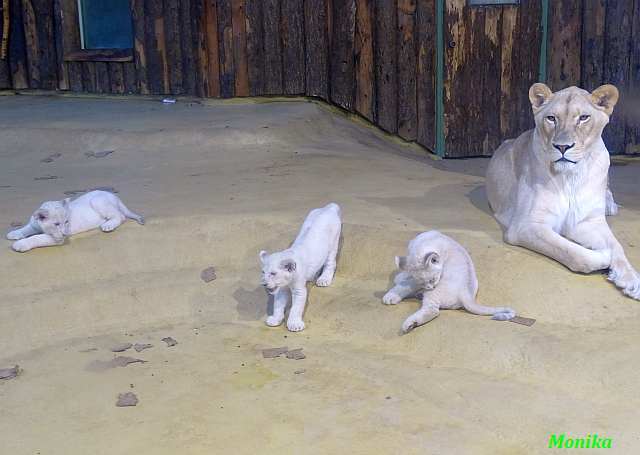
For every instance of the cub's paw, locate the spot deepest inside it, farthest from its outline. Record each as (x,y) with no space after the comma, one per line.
(21,246)
(505,315)
(295,325)
(323,281)
(273,321)
(409,325)
(15,235)
(391,298)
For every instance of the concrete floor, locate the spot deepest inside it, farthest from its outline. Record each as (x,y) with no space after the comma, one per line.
(218,183)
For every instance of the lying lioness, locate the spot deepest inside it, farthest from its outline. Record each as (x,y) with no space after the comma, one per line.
(548,188)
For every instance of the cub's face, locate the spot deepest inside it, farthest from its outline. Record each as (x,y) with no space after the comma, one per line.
(277,271)
(426,270)
(53,219)
(569,121)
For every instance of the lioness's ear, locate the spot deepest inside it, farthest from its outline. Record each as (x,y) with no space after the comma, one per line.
(288,264)
(432,258)
(42,214)
(262,255)
(539,95)
(605,98)
(401,262)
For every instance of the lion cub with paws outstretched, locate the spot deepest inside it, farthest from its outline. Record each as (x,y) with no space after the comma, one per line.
(286,272)
(55,220)
(441,269)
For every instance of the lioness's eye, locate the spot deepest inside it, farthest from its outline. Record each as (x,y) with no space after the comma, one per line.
(551,118)
(584,117)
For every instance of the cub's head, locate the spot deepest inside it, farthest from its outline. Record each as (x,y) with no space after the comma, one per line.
(53,219)
(569,121)
(426,269)
(277,271)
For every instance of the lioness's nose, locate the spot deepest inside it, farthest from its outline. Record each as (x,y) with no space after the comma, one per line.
(562,148)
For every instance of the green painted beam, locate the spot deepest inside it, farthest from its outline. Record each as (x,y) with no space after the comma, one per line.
(544,20)
(440,139)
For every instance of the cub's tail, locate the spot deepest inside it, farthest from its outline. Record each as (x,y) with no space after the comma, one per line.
(129,214)
(498,313)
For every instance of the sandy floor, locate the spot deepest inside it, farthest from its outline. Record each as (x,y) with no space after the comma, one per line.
(218,183)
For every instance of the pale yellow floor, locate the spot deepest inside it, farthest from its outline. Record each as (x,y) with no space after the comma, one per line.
(217,184)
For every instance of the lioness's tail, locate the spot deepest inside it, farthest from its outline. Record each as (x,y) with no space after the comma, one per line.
(498,313)
(129,214)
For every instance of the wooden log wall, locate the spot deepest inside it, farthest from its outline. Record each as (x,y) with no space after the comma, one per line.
(371,57)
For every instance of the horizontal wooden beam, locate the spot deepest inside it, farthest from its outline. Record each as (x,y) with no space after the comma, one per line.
(100,55)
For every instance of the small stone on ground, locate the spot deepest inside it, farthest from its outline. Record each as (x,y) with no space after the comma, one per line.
(127,399)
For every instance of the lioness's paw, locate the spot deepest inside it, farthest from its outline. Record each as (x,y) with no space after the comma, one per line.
(273,321)
(633,289)
(15,235)
(21,246)
(295,325)
(324,281)
(391,298)
(505,315)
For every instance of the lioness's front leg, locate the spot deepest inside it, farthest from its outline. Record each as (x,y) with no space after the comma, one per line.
(597,234)
(541,238)
(298,301)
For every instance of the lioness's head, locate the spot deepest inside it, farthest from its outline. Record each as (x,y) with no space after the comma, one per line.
(570,121)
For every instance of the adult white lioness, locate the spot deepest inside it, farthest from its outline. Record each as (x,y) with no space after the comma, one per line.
(548,188)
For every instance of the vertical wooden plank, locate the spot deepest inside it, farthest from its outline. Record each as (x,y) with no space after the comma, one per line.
(139,45)
(407,104)
(5,77)
(272,48)
(425,84)
(75,76)
(565,28)
(199,20)
(365,98)
(616,68)
(89,79)
(525,64)
(255,47)
(63,75)
(225,49)
(41,49)
(157,70)
(129,75)
(240,58)
(186,43)
(32,43)
(103,85)
(508,109)
(632,136)
(173,45)
(343,53)
(593,19)
(316,49)
(212,48)
(385,58)
(116,77)
(292,31)
(17,47)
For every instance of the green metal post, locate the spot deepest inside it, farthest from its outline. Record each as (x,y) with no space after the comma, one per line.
(440,142)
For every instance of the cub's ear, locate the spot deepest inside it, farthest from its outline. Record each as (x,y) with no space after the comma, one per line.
(41,214)
(605,98)
(432,259)
(65,203)
(288,264)
(539,95)
(401,262)
(262,255)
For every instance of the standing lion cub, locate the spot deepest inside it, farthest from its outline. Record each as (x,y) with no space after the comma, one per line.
(55,220)
(440,269)
(286,272)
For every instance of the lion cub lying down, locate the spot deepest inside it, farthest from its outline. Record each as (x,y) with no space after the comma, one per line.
(287,272)
(55,220)
(441,269)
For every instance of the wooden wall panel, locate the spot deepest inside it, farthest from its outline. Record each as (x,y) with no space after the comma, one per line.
(292,32)
(58,33)
(272,48)
(116,77)
(525,66)
(342,53)
(425,78)
(385,64)
(316,49)
(187,49)
(89,80)
(5,75)
(407,103)
(75,76)
(225,49)
(139,45)
(172,24)
(565,24)
(209,49)
(155,48)
(240,57)
(632,135)
(103,85)
(255,47)
(593,43)
(129,76)
(365,98)
(17,47)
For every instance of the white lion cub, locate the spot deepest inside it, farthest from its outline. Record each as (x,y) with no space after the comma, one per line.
(441,269)
(55,220)
(287,272)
